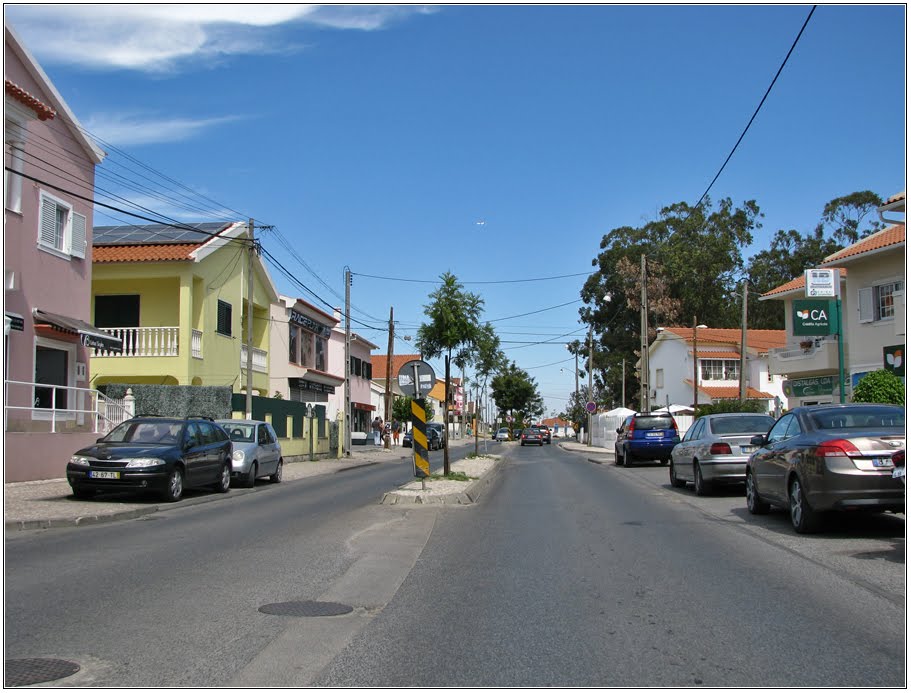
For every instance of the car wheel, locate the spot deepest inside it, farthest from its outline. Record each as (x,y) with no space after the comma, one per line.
(618,457)
(83,493)
(664,460)
(755,504)
(700,485)
(174,490)
(804,519)
(277,477)
(224,480)
(250,479)
(676,482)
(627,462)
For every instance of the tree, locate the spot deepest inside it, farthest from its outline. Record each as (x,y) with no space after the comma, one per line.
(694,264)
(401,409)
(881,387)
(454,322)
(516,393)
(489,359)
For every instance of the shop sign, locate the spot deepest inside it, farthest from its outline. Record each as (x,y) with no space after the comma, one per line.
(812,387)
(814,317)
(822,283)
(315,387)
(310,324)
(894,359)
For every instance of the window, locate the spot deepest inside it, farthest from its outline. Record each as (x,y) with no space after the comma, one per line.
(293,353)
(306,349)
(52,367)
(224,318)
(117,311)
(61,231)
(877,302)
(321,348)
(659,378)
(718,369)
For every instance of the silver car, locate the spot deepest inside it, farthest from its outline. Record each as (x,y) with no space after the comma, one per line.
(256,451)
(715,450)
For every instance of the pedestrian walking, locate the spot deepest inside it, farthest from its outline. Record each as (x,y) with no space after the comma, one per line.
(396,427)
(377,427)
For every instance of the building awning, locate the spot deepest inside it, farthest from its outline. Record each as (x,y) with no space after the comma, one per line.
(89,335)
(362,406)
(13,321)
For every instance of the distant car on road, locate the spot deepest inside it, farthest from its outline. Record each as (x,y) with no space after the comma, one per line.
(531,436)
(501,434)
(646,437)
(256,451)
(434,439)
(545,433)
(715,450)
(154,453)
(827,457)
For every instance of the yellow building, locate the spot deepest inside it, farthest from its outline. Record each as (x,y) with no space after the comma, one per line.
(177,297)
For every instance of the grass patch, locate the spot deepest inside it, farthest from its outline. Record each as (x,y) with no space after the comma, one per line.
(452,476)
(472,456)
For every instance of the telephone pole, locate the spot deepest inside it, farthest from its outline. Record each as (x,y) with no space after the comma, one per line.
(347,362)
(643,344)
(250,254)
(591,392)
(743,346)
(388,399)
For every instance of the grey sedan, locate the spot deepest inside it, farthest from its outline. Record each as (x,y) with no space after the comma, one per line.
(828,457)
(715,450)
(256,451)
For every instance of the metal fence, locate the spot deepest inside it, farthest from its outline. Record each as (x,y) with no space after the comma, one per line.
(41,408)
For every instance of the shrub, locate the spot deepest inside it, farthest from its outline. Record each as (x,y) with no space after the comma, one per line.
(880,387)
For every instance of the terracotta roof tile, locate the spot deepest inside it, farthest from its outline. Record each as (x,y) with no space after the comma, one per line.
(896,197)
(143,253)
(44,111)
(730,391)
(891,236)
(761,340)
(795,284)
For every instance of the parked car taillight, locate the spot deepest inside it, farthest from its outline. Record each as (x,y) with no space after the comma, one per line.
(836,448)
(898,458)
(720,449)
(632,425)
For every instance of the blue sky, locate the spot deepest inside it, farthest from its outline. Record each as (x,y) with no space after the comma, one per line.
(379,137)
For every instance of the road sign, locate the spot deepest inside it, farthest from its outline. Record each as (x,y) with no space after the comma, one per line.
(419,438)
(822,283)
(419,371)
(591,407)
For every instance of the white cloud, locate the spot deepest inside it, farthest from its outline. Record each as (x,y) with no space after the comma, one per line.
(159,38)
(127,129)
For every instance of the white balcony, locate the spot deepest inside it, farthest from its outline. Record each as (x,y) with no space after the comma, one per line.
(808,357)
(260,359)
(142,341)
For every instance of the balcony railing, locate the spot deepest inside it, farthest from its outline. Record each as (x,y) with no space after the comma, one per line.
(142,341)
(810,356)
(40,408)
(196,344)
(260,359)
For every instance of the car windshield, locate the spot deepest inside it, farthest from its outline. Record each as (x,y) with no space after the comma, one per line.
(529,431)
(240,433)
(653,422)
(742,424)
(152,432)
(859,417)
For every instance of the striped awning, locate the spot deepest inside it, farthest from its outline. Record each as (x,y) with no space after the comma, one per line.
(89,335)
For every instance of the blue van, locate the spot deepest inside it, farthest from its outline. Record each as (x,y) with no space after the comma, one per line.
(646,437)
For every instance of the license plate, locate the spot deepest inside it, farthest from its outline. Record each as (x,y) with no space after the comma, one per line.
(657,434)
(882,461)
(747,449)
(104,475)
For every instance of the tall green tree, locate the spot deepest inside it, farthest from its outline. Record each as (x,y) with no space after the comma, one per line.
(489,359)
(516,393)
(454,323)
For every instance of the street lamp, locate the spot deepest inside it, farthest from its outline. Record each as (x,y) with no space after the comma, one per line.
(695,366)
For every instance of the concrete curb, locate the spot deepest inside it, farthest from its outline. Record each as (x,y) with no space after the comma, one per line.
(469,496)
(78,521)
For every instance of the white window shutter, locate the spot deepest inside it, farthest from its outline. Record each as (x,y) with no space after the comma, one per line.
(899,298)
(47,233)
(865,304)
(77,236)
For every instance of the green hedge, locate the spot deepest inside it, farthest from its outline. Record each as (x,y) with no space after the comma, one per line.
(175,400)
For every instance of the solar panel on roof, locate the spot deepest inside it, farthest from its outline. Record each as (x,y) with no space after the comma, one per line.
(156,233)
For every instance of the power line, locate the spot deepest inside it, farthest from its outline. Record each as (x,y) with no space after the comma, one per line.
(522,315)
(502,281)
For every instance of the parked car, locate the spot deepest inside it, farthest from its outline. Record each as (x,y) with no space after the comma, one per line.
(827,457)
(154,453)
(438,427)
(516,432)
(531,436)
(256,451)
(545,433)
(715,450)
(646,437)
(502,434)
(434,438)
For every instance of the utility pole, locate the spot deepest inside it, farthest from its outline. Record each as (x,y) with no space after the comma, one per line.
(446,420)
(347,362)
(695,370)
(591,392)
(250,254)
(389,374)
(623,386)
(743,346)
(643,344)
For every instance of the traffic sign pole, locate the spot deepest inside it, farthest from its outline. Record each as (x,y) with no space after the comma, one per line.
(419,441)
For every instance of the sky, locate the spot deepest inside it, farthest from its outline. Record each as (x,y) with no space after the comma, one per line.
(499,143)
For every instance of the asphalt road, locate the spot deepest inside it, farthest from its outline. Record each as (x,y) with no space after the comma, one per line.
(566,573)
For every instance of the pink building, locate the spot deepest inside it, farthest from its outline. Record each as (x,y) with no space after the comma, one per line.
(50,412)
(362,410)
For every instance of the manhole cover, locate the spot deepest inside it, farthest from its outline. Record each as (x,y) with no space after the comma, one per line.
(306,608)
(25,672)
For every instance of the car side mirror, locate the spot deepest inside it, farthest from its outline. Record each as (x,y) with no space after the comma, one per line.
(619,430)
(759,441)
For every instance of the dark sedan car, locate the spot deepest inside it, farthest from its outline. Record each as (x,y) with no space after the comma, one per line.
(827,457)
(531,436)
(434,439)
(153,453)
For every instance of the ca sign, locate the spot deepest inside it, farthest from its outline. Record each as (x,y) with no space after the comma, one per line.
(814,317)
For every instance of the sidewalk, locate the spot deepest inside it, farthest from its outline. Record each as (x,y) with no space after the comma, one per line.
(594,454)
(50,503)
